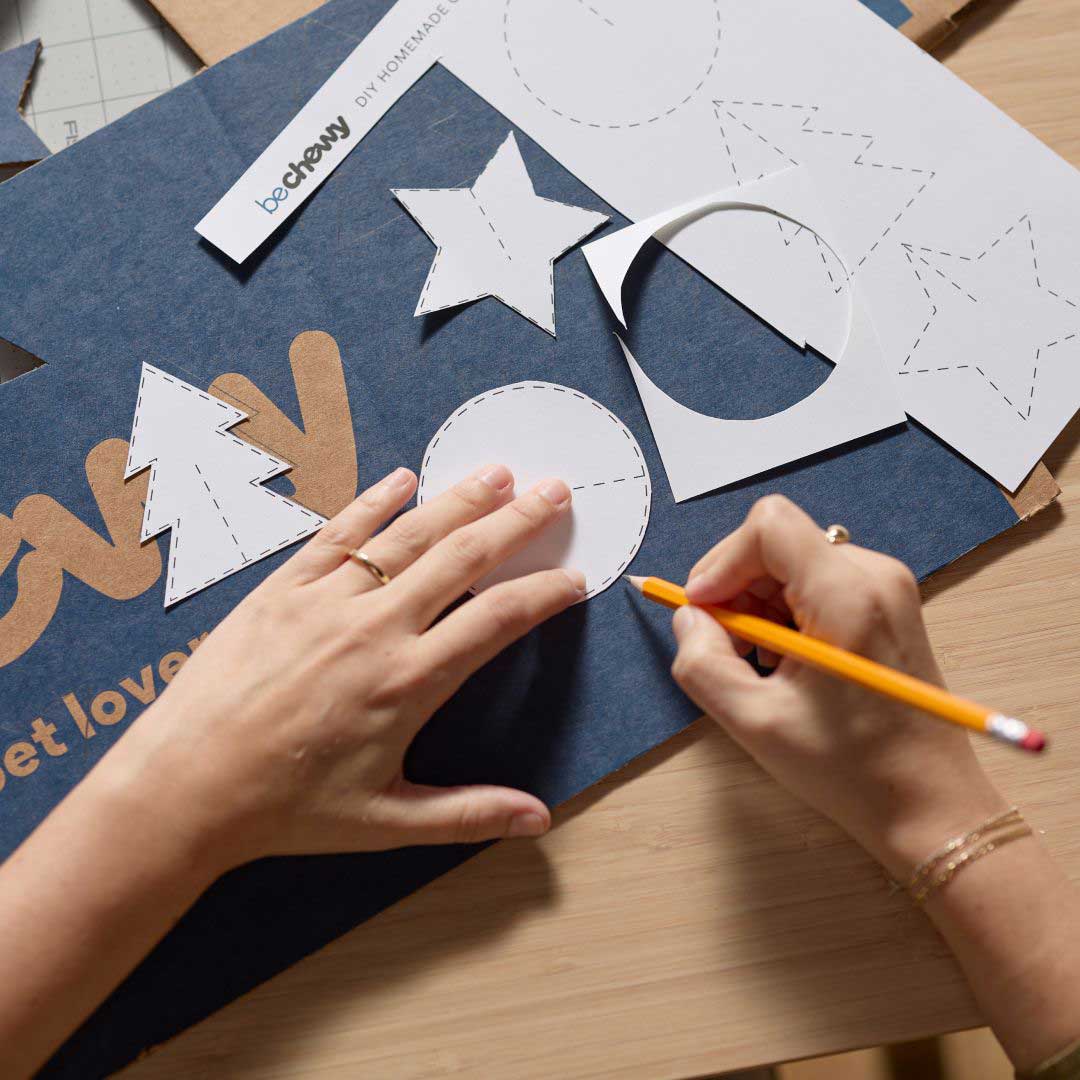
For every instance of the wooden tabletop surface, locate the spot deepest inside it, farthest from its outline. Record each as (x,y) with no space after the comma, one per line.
(686,916)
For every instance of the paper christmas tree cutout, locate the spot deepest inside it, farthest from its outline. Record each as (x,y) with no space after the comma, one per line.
(206,486)
(497,238)
(18,143)
(876,185)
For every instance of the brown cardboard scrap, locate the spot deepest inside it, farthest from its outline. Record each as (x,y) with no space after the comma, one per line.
(932,20)
(215,29)
(1036,493)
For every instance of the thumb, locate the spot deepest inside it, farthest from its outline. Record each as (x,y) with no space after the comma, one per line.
(421,814)
(708,668)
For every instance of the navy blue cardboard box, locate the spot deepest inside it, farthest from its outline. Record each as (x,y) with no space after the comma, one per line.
(101,270)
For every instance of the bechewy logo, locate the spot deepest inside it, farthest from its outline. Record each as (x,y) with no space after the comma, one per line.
(300,170)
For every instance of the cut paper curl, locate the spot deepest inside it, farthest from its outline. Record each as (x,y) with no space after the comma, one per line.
(701,453)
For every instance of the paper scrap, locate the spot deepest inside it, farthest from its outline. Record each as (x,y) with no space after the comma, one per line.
(397,52)
(702,453)
(206,486)
(541,430)
(19,145)
(497,238)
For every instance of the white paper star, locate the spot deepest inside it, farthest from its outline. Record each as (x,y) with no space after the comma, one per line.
(497,238)
(995,307)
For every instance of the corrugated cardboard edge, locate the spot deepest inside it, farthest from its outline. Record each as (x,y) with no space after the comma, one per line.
(932,20)
(1036,493)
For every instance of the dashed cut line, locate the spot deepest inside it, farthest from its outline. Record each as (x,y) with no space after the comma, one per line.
(811,111)
(642,474)
(1023,408)
(620,124)
(600,15)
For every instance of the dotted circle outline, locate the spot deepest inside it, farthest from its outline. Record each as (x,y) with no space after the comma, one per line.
(624,124)
(627,433)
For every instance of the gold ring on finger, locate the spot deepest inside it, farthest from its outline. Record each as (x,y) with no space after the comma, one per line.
(373,568)
(837,534)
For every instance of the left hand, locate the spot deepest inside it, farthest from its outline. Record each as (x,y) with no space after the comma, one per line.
(286,731)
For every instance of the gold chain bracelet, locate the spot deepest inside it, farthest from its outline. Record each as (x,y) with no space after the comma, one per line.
(942,866)
(967,857)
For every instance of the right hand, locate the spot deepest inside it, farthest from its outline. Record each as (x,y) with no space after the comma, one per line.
(898,781)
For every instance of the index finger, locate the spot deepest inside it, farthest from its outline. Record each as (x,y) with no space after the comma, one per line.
(456,563)
(777,540)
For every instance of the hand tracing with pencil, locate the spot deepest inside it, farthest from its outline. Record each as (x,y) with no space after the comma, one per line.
(782,640)
(336,684)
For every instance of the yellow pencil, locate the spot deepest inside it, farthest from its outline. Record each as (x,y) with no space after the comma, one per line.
(848,665)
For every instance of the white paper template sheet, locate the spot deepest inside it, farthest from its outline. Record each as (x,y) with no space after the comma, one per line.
(962,229)
(100,59)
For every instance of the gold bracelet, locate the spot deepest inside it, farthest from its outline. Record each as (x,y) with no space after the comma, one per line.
(929,864)
(953,866)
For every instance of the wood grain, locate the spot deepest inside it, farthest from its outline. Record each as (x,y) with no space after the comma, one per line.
(687,916)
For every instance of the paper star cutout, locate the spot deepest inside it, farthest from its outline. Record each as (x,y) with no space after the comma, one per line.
(993,305)
(18,143)
(497,238)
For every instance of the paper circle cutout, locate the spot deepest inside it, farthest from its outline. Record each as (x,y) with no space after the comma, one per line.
(565,52)
(539,430)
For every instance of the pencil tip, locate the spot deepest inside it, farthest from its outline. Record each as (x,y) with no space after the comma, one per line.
(637,582)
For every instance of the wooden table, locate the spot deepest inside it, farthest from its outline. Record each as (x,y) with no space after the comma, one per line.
(687,916)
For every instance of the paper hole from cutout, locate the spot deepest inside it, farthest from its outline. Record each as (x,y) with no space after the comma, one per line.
(728,362)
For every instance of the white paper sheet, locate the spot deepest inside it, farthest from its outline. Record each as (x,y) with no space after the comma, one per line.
(701,453)
(206,486)
(650,105)
(497,238)
(541,430)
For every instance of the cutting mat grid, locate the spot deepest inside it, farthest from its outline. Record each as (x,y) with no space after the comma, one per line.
(100,59)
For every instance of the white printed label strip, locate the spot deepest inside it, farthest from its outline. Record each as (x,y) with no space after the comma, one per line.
(405,44)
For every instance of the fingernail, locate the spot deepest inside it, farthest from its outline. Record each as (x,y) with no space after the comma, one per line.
(554,491)
(498,477)
(699,584)
(399,478)
(530,824)
(577,579)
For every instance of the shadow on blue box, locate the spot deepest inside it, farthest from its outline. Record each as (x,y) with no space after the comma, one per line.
(102,270)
